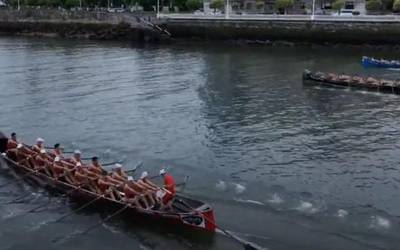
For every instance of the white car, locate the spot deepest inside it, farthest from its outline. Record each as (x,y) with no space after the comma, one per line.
(345,12)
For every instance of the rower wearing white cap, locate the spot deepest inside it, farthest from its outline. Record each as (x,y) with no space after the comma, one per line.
(76,158)
(118,173)
(39,145)
(144,181)
(134,194)
(42,162)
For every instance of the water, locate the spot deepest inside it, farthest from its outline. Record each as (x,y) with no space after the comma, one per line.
(284,166)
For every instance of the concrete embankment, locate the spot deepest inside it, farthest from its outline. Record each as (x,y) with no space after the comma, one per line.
(78,24)
(342,31)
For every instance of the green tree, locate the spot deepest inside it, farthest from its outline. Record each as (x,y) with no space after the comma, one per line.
(217,4)
(396,6)
(338,5)
(71,3)
(193,4)
(282,5)
(373,5)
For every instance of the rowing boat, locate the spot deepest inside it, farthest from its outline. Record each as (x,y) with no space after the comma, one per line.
(379,63)
(356,82)
(186,212)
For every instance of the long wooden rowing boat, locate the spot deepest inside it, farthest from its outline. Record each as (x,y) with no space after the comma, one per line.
(187,212)
(357,82)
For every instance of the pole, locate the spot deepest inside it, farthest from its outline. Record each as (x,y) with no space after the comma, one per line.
(19,7)
(313,10)
(158,9)
(227,10)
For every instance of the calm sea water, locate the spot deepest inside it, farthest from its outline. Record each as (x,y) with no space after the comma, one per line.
(284,166)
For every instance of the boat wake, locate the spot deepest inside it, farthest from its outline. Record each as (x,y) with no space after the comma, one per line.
(379,222)
(250,201)
(275,199)
(307,207)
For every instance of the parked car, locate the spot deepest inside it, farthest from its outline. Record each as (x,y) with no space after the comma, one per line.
(116,10)
(346,12)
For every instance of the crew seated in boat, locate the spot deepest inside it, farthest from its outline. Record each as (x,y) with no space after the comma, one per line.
(118,173)
(85,179)
(95,167)
(169,190)
(108,186)
(39,145)
(75,159)
(57,151)
(332,77)
(22,155)
(62,169)
(12,141)
(373,81)
(41,162)
(358,79)
(344,78)
(135,194)
(320,75)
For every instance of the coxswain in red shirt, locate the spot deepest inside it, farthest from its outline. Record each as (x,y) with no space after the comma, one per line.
(12,142)
(169,188)
(39,145)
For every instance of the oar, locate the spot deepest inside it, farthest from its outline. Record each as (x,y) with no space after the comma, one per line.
(135,167)
(78,209)
(17,179)
(17,199)
(93,226)
(104,220)
(247,245)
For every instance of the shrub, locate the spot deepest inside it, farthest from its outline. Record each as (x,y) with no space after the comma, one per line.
(373,5)
(193,4)
(283,4)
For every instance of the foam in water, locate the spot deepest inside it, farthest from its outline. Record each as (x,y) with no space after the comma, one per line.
(220,186)
(380,222)
(250,201)
(341,213)
(239,189)
(306,207)
(275,199)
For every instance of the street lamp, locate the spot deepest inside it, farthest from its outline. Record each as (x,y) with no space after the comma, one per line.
(227,10)
(158,9)
(313,10)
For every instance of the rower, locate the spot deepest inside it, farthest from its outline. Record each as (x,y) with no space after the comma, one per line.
(41,162)
(39,145)
(95,167)
(169,187)
(133,195)
(107,186)
(63,169)
(12,142)
(57,151)
(83,179)
(144,181)
(118,173)
(76,158)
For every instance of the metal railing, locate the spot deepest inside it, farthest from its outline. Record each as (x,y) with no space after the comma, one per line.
(260,17)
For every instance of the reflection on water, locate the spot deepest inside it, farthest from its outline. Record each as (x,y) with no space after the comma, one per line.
(285,166)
